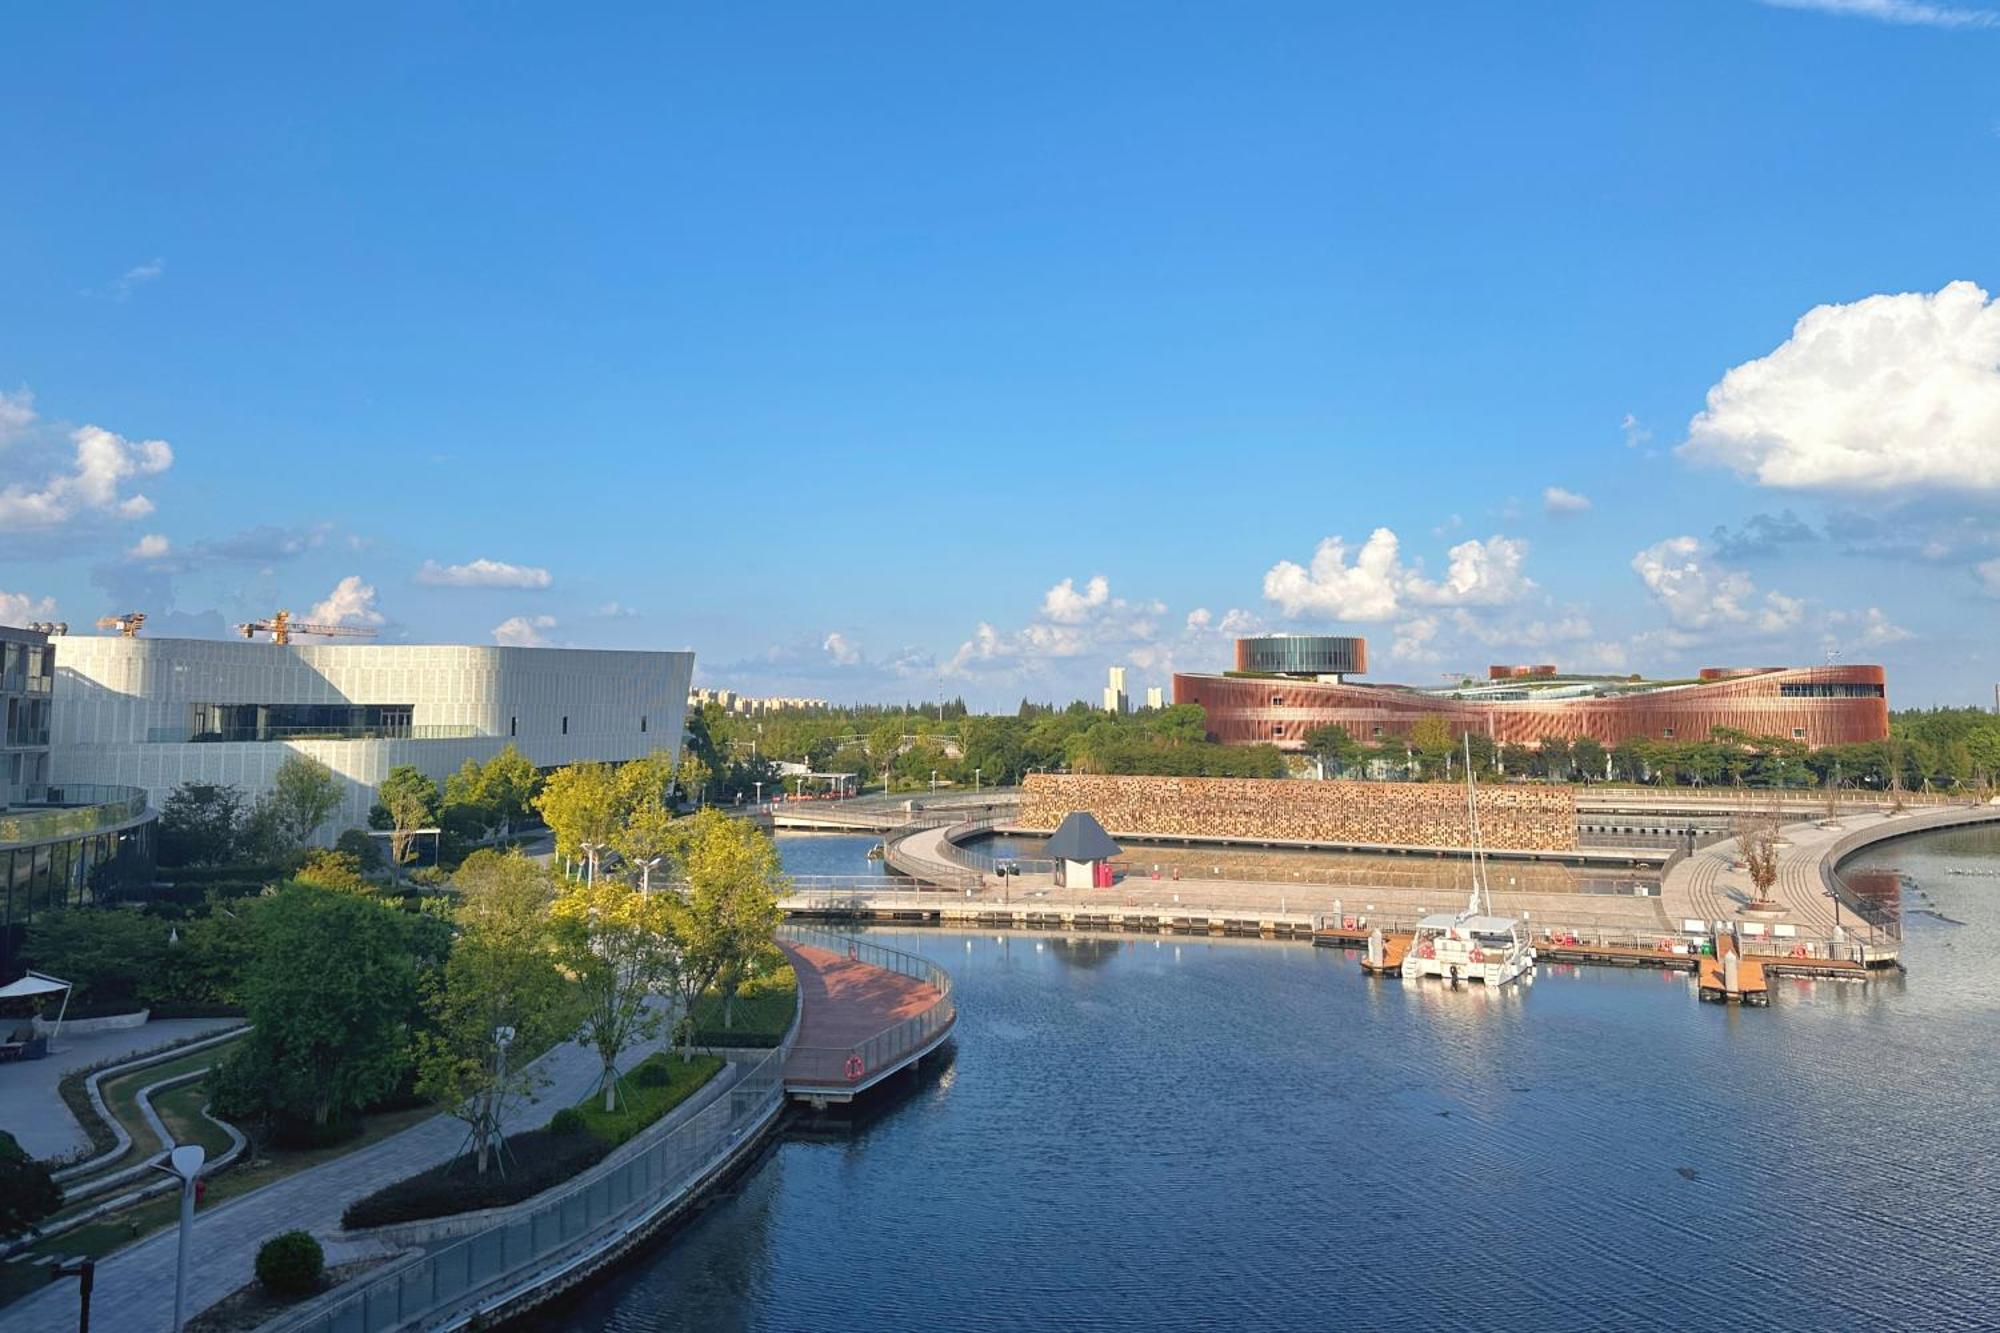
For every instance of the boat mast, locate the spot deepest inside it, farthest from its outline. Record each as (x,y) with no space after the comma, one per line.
(1479,889)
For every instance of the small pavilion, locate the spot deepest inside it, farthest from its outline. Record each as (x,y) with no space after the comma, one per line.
(1082,851)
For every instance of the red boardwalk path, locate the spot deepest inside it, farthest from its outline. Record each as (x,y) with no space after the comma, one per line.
(858,1023)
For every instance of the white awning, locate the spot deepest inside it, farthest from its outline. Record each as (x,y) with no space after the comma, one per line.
(31,985)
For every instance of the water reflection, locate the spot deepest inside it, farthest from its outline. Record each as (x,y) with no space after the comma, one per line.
(1180,1133)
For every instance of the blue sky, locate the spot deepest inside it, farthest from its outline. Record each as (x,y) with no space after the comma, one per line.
(871,350)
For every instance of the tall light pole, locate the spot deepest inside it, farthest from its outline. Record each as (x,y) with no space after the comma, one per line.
(593,850)
(184,1164)
(934,782)
(975,782)
(760,793)
(646,868)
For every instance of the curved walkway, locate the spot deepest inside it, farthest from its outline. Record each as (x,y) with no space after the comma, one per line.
(135,1286)
(1707,886)
(846,1007)
(34,1112)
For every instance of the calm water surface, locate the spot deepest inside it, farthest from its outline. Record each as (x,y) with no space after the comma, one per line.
(1157,1133)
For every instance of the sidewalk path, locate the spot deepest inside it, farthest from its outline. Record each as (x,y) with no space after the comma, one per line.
(31,1109)
(135,1286)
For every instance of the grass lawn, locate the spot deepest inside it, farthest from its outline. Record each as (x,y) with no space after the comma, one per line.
(760,1016)
(121,1098)
(653,1087)
(180,1109)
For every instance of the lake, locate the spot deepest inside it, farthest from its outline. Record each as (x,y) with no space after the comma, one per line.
(1144,1133)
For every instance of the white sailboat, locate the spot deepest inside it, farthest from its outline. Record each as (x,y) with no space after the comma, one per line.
(1473,945)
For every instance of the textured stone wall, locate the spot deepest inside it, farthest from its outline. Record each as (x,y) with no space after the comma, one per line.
(1400,814)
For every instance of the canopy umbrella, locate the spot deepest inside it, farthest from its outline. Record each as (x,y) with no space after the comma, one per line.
(39,983)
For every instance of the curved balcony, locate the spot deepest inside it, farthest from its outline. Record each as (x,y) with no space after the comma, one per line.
(44,813)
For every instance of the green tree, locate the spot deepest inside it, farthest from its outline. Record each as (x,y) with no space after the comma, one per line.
(502,974)
(583,805)
(304,795)
(334,870)
(615,946)
(693,777)
(1589,756)
(198,823)
(27,1192)
(1431,738)
(1333,746)
(411,801)
(113,956)
(329,993)
(728,911)
(366,851)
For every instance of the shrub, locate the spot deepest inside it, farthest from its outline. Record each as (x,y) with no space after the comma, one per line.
(653,1074)
(366,851)
(569,1120)
(657,1086)
(535,1161)
(27,1194)
(290,1264)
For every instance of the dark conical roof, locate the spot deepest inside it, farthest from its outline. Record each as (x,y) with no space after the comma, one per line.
(1081,838)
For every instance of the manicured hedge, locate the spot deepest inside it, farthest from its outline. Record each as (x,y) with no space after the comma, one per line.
(535,1161)
(578,1137)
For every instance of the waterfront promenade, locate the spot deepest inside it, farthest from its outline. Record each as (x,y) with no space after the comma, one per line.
(859,1020)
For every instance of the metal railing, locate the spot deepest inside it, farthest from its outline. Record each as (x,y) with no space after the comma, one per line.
(982,860)
(843,1066)
(67,810)
(481,1269)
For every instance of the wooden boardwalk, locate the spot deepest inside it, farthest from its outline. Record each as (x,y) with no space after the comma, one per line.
(847,1011)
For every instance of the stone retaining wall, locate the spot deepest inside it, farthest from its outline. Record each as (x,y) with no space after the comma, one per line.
(1386,814)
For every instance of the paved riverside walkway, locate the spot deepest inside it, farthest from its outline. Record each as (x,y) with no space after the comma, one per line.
(32,1110)
(135,1286)
(921,855)
(843,1003)
(1707,887)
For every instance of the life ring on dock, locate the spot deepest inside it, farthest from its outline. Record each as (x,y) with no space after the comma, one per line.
(1798,951)
(1666,946)
(1479,955)
(1347,923)
(854,1068)
(853,952)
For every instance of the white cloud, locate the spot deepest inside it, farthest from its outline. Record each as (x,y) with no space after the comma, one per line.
(351,602)
(152,546)
(1887,392)
(1415,640)
(1989,575)
(1636,433)
(523,631)
(134,278)
(17,413)
(103,463)
(18,609)
(1871,628)
(1376,585)
(1064,605)
(837,647)
(1911,13)
(1699,594)
(482,573)
(1557,500)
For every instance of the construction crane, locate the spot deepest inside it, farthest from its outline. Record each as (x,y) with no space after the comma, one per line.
(282,627)
(127,624)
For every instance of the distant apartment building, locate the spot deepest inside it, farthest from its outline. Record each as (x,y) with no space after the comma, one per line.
(1115,698)
(1155,697)
(741,705)
(27,681)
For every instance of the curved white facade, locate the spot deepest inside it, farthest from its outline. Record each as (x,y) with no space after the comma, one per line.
(126,710)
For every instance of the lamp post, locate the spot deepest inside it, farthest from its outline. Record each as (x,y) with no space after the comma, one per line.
(646,868)
(934,782)
(184,1164)
(975,782)
(85,1272)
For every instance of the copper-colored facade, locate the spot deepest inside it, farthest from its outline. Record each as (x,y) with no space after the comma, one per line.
(1830,705)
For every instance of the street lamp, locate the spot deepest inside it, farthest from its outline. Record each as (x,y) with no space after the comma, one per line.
(934,782)
(184,1164)
(646,868)
(975,782)
(760,793)
(593,850)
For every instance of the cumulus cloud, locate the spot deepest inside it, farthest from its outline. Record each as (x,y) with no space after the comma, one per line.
(94,480)
(482,573)
(1064,605)
(1699,594)
(17,414)
(1869,629)
(1888,392)
(1636,434)
(837,647)
(351,602)
(1762,534)
(132,279)
(523,631)
(152,546)
(1907,13)
(17,608)
(1371,582)
(1557,500)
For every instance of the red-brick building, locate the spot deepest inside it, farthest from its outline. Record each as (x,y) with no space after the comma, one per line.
(1817,706)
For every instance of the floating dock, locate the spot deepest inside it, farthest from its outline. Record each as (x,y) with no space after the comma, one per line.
(1394,949)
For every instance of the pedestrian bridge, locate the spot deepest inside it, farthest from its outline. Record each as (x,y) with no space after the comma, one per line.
(866,1012)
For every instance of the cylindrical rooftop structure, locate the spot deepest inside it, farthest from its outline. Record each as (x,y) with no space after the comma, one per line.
(1303,655)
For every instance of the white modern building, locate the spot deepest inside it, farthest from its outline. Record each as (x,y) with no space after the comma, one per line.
(1115,698)
(154,713)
